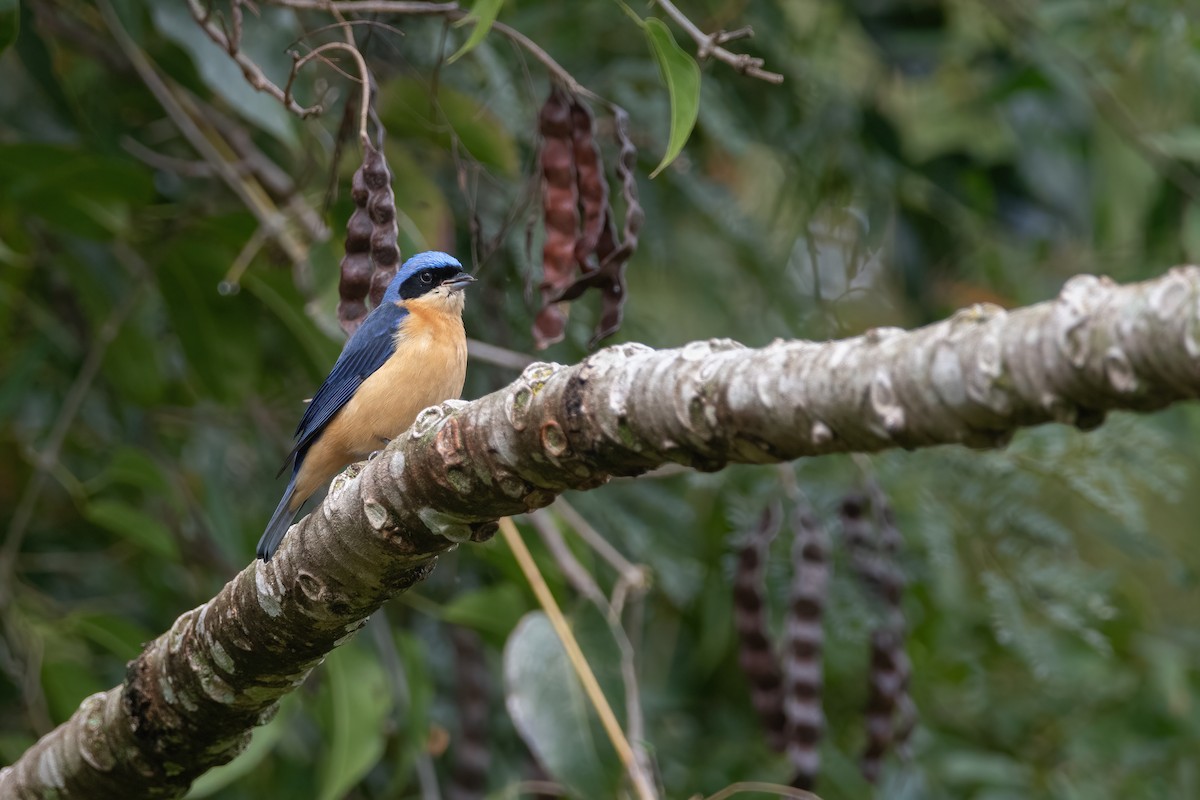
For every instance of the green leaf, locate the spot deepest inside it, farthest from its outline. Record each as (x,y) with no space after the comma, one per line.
(484,13)
(408,111)
(129,466)
(551,712)
(261,744)
(119,636)
(1191,232)
(682,76)
(10,23)
(133,525)
(266,39)
(360,703)
(1183,144)
(492,610)
(65,682)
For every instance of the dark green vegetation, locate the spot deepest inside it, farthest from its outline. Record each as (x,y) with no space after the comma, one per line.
(921,156)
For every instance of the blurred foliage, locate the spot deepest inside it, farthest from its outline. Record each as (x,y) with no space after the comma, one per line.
(921,155)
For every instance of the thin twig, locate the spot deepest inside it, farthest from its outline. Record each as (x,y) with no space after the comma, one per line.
(498,356)
(229,42)
(641,782)
(453,12)
(381,634)
(572,570)
(635,575)
(765,788)
(249,192)
(709,45)
(49,454)
(364,77)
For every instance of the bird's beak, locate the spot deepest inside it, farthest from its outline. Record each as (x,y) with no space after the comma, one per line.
(459,282)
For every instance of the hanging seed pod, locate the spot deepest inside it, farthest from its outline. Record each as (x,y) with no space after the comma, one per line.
(803,645)
(882,690)
(755,654)
(592,186)
(472,756)
(614,255)
(355,278)
(560,214)
(890,542)
(381,208)
(873,559)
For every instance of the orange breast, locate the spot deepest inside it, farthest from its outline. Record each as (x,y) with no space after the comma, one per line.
(429,366)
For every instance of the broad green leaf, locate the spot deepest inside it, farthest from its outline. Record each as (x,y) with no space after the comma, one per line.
(682,76)
(1183,144)
(80,191)
(359,704)
(130,466)
(550,711)
(408,111)
(484,14)
(10,23)
(133,525)
(1191,232)
(265,39)
(118,635)
(261,744)
(65,681)
(493,610)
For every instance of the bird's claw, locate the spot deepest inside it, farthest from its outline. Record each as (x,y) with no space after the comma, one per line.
(374,453)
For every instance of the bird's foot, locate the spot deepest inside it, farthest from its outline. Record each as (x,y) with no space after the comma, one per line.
(374,453)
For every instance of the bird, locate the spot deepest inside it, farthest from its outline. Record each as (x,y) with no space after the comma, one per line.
(409,353)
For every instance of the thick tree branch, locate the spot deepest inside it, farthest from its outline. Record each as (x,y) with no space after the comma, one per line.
(191,697)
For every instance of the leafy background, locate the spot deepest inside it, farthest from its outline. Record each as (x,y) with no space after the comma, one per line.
(920,156)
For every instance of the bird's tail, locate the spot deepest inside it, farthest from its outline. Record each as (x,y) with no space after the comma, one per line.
(281,520)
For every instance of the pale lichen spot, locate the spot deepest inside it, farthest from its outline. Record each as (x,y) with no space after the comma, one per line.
(49,769)
(376,514)
(268,600)
(454,527)
(221,658)
(1119,371)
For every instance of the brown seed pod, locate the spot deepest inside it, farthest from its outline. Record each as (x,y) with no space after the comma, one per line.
(803,644)
(472,755)
(560,213)
(614,255)
(755,654)
(873,552)
(356,267)
(381,208)
(592,186)
(890,542)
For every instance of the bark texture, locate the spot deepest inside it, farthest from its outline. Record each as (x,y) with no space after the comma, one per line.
(191,697)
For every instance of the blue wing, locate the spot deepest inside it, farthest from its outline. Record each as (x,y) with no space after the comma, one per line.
(370,346)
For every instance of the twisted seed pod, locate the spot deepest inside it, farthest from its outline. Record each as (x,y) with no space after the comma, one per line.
(890,542)
(355,268)
(592,186)
(802,648)
(873,559)
(882,689)
(560,213)
(472,756)
(381,208)
(755,654)
(614,255)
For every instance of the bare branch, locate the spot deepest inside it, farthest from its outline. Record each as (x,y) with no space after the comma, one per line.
(230,41)
(709,45)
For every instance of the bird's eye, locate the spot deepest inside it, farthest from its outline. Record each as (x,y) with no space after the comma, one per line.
(426,277)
